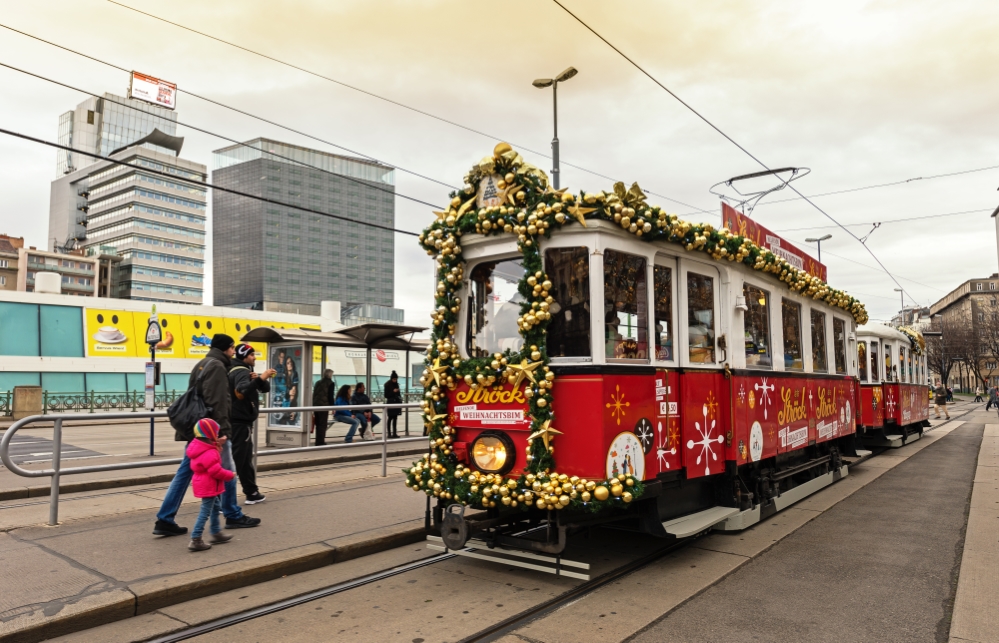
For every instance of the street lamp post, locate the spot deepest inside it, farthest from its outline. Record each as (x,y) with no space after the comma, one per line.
(818,241)
(541,83)
(901,294)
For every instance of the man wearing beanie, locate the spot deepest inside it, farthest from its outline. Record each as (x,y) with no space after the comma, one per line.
(246,387)
(211,376)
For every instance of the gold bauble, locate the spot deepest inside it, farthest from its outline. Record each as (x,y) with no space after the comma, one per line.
(601,493)
(590,485)
(626,496)
(617,490)
(630,482)
(542,402)
(501,149)
(536,355)
(585,496)
(564,500)
(540,504)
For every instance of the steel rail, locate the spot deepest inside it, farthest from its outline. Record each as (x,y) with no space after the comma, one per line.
(271,608)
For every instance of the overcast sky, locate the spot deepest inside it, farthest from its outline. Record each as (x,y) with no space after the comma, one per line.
(863,93)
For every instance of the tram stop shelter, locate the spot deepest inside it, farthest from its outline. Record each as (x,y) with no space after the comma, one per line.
(292,428)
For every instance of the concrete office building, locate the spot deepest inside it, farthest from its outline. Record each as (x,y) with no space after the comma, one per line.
(277,258)
(77,272)
(155,224)
(9,260)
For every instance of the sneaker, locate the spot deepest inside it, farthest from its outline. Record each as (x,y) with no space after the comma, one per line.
(198,544)
(164,528)
(221,537)
(243,522)
(254,498)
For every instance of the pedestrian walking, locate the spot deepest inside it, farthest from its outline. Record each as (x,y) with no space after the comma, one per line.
(321,397)
(360,398)
(345,416)
(993,393)
(204,452)
(246,386)
(211,376)
(393,395)
(940,400)
(978,393)
(950,394)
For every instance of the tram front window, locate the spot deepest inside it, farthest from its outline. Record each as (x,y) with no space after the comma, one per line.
(839,345)
(493,308)
(569,330)
(700,319)
(757,326)
(625,306)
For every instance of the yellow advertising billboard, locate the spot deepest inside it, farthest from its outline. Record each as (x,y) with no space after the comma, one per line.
(171,345)
(111,333)
(198,331)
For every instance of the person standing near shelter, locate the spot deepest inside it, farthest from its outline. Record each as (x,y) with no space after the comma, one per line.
(360,398)
(345,416)
(209,482)
(393,396)
(211,376)
(940,400)
(321,397)
(246,387)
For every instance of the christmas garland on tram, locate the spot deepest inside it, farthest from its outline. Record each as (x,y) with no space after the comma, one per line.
(531,209)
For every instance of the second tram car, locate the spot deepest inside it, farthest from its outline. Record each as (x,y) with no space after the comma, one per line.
(716,387)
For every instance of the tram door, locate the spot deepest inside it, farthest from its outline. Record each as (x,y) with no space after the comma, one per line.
(704,399)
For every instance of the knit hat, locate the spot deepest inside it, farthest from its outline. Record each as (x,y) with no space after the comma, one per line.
(243,351)
(208,430)
(222,341)
(393,375)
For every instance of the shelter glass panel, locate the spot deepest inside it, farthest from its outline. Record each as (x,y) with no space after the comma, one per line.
(493,308)
(757,318)
(569,329)
(862,361)
(791,322)
(662,277)
(819,359)
(839,345)
(700,319)
(875,366)
(625,306)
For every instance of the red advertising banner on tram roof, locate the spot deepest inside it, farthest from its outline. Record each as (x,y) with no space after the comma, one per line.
(743,225)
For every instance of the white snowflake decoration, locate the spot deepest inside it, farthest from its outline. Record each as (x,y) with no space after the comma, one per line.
(765,395)
(742,394)
(890,403)
(643,431)
(706,442)
(661,450)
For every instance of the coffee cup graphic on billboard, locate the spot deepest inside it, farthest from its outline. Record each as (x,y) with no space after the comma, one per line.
(110,332)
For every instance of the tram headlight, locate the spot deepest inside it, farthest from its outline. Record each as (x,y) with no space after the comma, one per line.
(493,452)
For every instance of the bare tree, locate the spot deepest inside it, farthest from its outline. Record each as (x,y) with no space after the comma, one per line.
(949,348)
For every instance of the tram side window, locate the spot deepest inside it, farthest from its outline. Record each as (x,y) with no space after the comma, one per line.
(700,319)
(819,358)
(625,306)
(493,308)
(757,323)
(875,370)
(791,318)
(862,361)
(839,344)
(890,376)
(662,277)
(901,364)
(569,330)
(912,376)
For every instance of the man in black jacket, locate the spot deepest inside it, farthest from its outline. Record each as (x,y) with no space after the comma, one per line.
(211,376)
(360,398)
(321,393)
(246,387)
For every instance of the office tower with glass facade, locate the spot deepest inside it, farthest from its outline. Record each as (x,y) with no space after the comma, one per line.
(102,125)
(155,223)
(275,257)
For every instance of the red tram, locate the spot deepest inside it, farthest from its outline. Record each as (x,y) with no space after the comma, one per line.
(595,359)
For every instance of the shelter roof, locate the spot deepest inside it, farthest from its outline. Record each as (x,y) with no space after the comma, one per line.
(370,335)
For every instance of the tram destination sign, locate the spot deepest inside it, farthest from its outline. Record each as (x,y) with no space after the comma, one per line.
(743,225)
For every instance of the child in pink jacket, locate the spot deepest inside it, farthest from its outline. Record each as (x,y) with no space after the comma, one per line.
(209,482)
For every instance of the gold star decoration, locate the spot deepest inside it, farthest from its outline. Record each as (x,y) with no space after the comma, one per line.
(433,418)
(558,193)
(443,215)
(510,193)
(437,370)
(579,211)
(465,206)
(546,432)
(522,370)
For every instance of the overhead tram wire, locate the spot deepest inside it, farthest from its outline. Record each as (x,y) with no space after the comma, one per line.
(732,141)
(368,184)
(391,101)
(207,185)
(906,220)
(240,111)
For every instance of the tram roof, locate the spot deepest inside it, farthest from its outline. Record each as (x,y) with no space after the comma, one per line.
(372,335)
(882,331)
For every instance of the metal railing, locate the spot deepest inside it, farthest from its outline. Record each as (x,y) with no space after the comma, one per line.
(93,402)
(56,472)
(6,402)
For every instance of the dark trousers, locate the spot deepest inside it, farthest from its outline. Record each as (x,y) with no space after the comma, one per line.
(242,454)
(392,425)
(322,419)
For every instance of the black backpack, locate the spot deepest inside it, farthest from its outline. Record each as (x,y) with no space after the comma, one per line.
(187,409)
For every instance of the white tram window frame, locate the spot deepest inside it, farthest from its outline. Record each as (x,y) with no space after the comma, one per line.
(647,258)
(863,365)
(771,331)
(849,356)
(483,256)
(582,239)
(720,321)
(665,261)
(874,359)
